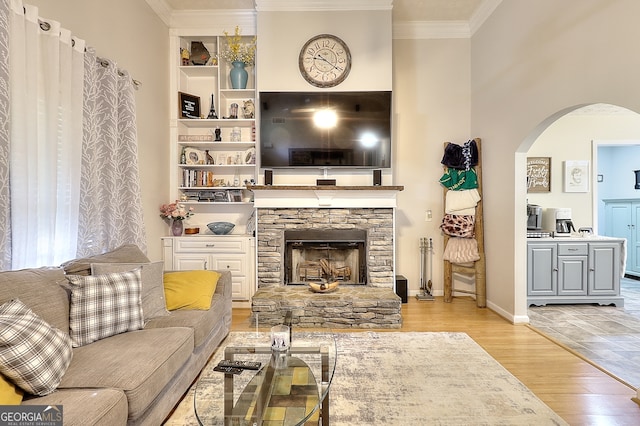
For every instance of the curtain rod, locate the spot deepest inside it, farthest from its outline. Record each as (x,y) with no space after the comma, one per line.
(45,26)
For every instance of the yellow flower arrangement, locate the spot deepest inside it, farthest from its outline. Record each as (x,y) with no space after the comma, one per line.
(236,50)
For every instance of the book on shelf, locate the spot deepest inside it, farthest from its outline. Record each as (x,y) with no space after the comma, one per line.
(195,138)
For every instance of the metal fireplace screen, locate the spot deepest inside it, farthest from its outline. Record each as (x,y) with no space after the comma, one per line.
(325,256)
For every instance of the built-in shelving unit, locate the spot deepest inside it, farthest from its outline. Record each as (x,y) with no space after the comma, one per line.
(212,161)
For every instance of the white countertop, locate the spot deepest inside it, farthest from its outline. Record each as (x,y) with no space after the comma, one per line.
(577,237)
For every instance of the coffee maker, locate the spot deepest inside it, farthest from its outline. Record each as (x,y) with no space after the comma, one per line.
(534,217)
(561,222)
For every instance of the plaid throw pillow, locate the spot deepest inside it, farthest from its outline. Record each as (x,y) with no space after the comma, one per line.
(104,305)
(33,354)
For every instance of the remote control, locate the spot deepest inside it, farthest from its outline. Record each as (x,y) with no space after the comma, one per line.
(227,370)
(246,365)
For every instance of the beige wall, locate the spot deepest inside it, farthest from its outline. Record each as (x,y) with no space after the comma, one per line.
(432,101)
(132,35)
(530,61)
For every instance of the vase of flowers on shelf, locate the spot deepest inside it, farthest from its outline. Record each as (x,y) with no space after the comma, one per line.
(176,213)
(240,55)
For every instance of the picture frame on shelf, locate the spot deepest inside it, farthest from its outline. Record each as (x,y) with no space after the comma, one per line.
(250,156)
(189,105)
(221,196)
(194,156)
(538,174)
(576,176)
(235,195)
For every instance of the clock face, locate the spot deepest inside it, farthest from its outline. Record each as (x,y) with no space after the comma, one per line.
(325,61)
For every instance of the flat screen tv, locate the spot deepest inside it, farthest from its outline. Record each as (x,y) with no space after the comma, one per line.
(325,129)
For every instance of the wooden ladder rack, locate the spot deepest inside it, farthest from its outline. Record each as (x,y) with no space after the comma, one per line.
(477,268)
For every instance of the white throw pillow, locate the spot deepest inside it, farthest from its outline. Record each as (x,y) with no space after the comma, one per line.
(104,305)
(33,354)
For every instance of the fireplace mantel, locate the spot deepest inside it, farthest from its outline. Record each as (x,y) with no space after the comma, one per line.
(282,196)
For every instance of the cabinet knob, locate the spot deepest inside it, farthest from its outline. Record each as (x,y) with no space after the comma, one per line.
(591,269)
(210,245)
(555,269)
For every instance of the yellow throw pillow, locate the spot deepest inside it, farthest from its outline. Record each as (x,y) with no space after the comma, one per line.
(190,289)
(10,394)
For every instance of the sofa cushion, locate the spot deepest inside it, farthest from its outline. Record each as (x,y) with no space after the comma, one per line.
(190,289)
(153,302)
(41,289)
(202,322)
(104,305)
(95,407)
(10,394)
(141,363)
(126,253)
(33,354)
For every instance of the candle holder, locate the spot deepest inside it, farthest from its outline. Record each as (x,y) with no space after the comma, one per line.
(280,338)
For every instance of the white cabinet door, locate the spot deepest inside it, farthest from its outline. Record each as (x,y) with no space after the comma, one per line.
(221,253)
(190,262)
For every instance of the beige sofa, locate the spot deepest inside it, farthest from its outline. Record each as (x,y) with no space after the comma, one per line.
(136,377)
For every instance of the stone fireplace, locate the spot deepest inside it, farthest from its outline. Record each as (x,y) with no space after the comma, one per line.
(316,234)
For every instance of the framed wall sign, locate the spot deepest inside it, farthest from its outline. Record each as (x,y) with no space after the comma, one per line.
(538,174)
(189,105)
(576,176)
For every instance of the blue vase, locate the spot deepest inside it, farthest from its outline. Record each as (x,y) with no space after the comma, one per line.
(238,75)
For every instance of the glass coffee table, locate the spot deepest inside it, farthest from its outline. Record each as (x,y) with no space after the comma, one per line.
(290,388)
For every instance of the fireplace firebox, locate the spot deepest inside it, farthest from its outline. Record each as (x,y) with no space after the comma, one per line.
(325,256)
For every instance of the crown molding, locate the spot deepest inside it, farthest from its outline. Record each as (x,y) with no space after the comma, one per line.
(482,13)
(321,5)
(162,9)
(430,30)
(215,21)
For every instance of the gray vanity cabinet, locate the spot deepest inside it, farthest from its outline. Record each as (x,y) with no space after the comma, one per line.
(567,271)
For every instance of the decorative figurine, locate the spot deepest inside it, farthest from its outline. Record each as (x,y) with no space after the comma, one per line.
(184,55)
(217,132)
(212,111)
(199,54)
(233,111)
(236,134)
(249,109)
(208,157)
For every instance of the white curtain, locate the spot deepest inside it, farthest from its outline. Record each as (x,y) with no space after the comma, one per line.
(46,75)
(69,183)
(5,200)
(110,209)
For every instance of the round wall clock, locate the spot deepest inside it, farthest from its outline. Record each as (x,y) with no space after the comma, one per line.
(325,60)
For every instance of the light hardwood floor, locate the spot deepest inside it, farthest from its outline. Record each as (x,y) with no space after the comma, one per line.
(578,391)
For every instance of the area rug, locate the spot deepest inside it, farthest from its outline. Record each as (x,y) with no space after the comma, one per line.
(393,378)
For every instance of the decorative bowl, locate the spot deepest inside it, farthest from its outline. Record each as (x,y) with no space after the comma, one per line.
(191,231)
(221,228)
(323,287)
